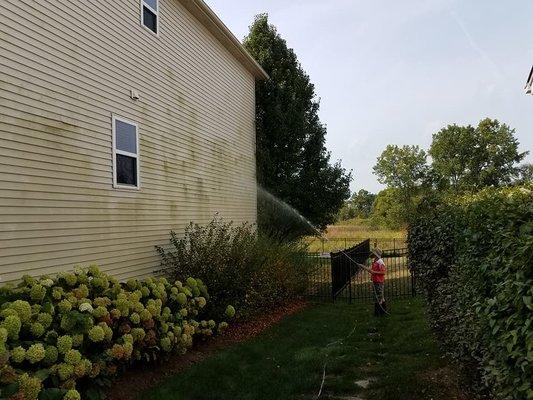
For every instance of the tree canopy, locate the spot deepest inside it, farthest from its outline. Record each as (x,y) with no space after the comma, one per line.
(464,158)
(362,202)
(525,174)
(451,153)
(401,168)
(292,161)
(468,158)
(404,169)
(389,209)
(358,206)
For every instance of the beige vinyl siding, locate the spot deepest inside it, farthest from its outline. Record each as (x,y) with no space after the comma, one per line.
(66,68)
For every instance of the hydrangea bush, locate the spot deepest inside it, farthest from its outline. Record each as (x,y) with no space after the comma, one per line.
(61,336)
(473,258)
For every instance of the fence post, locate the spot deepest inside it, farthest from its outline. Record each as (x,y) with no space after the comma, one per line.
(322,240)
(331,292)
(413,280)
(350,277)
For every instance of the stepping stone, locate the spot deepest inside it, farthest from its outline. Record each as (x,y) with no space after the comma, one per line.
(350,398)
(364,383)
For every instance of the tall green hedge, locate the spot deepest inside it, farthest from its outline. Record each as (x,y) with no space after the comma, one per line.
(473,257)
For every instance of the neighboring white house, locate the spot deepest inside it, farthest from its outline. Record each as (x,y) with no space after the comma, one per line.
(119,121)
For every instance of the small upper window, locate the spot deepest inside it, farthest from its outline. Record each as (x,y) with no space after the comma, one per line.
(150,14)
(125,154)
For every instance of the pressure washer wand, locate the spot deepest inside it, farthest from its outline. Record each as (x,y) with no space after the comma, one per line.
(363,267)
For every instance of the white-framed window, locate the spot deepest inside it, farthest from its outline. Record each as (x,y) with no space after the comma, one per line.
(126,171)
(150,15)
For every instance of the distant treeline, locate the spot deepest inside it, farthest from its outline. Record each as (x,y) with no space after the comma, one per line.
(464,159)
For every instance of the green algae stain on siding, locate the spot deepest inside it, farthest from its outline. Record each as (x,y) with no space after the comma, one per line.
(192,96)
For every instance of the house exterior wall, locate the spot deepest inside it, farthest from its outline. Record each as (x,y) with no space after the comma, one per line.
(66,67)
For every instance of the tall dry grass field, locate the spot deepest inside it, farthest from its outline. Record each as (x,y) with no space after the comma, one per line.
(348,233)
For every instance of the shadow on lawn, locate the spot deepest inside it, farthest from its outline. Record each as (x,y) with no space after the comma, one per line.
(144,377)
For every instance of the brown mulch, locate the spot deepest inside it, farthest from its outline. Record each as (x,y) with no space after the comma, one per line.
(146,376)
(447,383)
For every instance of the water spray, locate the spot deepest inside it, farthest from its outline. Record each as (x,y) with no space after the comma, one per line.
(287,207)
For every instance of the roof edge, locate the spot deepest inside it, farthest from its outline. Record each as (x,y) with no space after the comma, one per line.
(200,10)
(529,83)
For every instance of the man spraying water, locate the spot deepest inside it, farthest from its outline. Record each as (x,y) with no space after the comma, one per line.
(377,273)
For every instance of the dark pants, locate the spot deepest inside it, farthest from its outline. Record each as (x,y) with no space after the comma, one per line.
(380,306)
(379,292)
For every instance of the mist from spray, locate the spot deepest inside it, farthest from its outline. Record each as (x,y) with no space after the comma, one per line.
(279,219)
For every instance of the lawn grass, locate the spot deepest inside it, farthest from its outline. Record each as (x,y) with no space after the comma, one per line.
(286,361)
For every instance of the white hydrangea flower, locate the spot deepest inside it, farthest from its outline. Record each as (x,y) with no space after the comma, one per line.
(86,307)
(47,282)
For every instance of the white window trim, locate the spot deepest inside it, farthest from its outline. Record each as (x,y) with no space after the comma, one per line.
(156,12)
(116,151)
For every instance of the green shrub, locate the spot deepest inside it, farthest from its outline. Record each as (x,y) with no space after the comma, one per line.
(473,258)
(58,337)
(247,270)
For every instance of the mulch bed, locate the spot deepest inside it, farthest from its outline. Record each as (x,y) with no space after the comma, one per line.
(146,376)
(449,383)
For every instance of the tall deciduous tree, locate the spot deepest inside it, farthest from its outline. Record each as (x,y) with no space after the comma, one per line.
(469,158)
(451,152)
(359,205)
(389,210)
(404,169)
(362,202)
(401,167)
(292,161)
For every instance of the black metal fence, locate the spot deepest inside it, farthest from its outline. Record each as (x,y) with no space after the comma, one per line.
(344,266)
(325,284)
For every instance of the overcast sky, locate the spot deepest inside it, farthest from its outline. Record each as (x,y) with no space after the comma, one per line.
(395,72)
